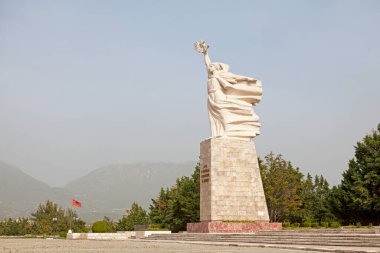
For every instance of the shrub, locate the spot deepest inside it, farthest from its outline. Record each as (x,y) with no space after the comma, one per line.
(286,224)
(324,224)
(370,225)
(296,225)
(306,224)
(314,225)
(358,225)
(63,234)
(334,224)
(101,227)
(156,227)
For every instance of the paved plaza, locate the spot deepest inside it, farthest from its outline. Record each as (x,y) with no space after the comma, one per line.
(33,245)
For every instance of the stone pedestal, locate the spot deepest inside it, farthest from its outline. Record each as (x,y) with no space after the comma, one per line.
(231,188)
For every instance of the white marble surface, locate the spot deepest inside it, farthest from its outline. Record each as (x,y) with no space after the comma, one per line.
(230,100)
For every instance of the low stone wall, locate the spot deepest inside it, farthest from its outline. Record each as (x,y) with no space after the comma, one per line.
(143,234)
(377,229)
(232,227)
(101,236)
(120,235)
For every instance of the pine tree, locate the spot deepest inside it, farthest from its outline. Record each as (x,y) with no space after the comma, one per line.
(184,208)
(321,210)
(179,205)
(136,215)
(159,209)
(357,198)
(308,199)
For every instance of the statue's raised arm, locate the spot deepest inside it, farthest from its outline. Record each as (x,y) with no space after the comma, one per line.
(230,99)
(202,47)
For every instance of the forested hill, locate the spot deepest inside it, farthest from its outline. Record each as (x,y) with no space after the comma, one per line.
(109,190)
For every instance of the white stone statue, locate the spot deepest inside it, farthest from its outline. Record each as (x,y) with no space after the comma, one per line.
(230,100)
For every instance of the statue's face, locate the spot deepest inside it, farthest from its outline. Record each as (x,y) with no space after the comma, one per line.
(213,68)
(219,67)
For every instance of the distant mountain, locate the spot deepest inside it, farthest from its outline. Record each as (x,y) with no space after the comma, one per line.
(110,190)
(107,191)
(20,193)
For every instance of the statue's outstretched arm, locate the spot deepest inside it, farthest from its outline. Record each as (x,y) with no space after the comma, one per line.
(207,60)
(202,47)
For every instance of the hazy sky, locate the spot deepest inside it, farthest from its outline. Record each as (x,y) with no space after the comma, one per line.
(89,83)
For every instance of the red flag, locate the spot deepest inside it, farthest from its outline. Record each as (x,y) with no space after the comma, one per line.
(76,203)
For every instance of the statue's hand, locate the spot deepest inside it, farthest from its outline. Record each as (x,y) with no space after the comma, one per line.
(201,47)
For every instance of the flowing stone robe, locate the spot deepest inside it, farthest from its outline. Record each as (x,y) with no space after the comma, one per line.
(230,101)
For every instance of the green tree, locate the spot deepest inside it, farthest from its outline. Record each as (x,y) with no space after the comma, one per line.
(283,187)
(321,208)
(357,198)
(136,215)
(305,214)
(14,227)
(179,205)
(50,219)
(159,209)
(184,208)
(315,205)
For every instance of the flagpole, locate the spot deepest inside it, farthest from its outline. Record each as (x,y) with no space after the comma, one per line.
(71,221)
(74,203)
(70,218)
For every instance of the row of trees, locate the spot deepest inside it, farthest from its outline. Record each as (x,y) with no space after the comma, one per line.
(49,219)
(291,196)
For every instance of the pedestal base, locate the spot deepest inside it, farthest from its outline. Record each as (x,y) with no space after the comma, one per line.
(230,183)
(232,227)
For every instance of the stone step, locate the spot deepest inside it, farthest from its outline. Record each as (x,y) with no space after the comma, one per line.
(292,236)
(301,240)
(374,240)
(297,242)
(326,231)
(304,243)
(359,240)
(307,237)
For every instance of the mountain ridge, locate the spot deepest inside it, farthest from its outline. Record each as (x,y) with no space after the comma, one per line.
(106,191)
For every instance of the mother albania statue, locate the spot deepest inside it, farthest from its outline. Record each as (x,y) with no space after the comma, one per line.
(230,100)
